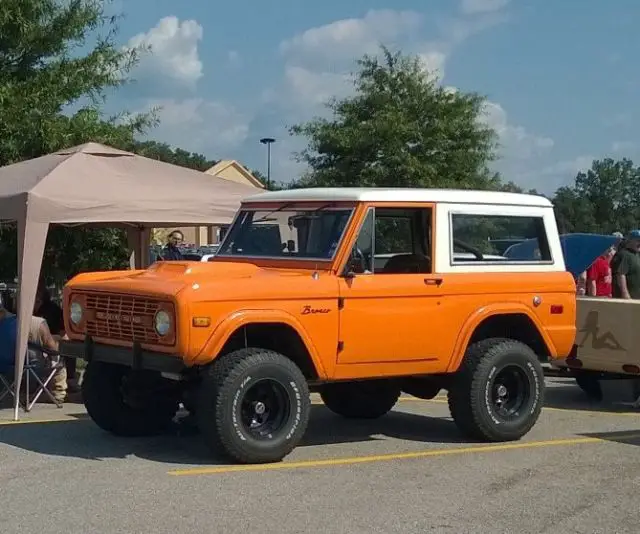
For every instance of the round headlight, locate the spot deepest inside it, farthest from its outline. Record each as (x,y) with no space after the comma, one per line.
(75,312)
(162,323)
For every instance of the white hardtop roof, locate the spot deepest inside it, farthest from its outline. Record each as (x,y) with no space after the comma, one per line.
(375,194)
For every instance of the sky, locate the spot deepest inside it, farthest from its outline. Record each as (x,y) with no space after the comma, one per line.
(560,78)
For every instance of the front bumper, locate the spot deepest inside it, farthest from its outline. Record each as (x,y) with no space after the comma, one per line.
(133,357)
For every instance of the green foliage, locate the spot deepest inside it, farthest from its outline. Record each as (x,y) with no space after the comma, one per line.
(604,199)
(55,54)
(43,71)
(69,251)
(401,128)
(176,156)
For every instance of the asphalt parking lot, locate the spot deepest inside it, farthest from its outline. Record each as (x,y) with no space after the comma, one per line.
(578,471)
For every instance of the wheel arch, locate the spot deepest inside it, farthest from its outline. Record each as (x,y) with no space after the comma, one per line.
(272,330)
(511,322)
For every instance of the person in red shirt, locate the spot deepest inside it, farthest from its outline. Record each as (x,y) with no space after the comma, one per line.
(599,275)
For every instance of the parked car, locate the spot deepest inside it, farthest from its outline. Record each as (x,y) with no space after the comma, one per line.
(358,294)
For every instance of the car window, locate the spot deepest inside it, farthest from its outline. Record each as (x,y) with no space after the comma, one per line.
(393,241)
(287,232)
(505,238)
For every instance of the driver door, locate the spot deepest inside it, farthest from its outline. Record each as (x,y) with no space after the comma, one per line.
(390,297)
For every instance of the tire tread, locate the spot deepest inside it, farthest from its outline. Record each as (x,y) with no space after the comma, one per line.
(463,397)
(221,373)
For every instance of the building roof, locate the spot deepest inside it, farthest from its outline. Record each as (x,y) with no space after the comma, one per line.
(225,163)
(365,194)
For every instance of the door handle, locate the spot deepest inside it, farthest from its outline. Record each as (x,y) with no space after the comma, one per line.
(433,281)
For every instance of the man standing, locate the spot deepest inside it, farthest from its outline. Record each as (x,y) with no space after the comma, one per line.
(171,251)
(625,267)
(599,280)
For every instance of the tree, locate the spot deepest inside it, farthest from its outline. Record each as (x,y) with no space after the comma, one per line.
(42,74)
(603,199)
(43,71)
(512,187)
(176,156)
(400,128)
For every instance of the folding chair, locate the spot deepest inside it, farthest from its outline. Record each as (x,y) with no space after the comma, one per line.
(37,370)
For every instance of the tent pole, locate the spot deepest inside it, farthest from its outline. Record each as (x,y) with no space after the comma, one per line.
(32,237)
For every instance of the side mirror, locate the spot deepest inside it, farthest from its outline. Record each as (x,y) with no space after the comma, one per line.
(349,274)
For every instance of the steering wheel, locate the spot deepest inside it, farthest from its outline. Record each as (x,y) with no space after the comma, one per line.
(469,248)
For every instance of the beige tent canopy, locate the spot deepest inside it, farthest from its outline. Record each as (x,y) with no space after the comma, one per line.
(93,183)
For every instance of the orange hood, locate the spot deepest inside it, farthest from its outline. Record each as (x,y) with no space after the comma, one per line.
(206,281)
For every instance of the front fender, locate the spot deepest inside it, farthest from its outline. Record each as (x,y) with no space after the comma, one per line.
(484,313)
(240,318)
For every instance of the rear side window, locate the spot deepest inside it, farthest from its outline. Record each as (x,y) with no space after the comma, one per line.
(499,238)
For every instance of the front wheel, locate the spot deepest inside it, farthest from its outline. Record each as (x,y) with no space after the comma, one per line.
(127,403)
(253,406)
(498,392)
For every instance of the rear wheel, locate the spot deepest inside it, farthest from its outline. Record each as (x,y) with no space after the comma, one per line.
(127,403)
(498,393)
(368,399)
(590,385)
(253,406)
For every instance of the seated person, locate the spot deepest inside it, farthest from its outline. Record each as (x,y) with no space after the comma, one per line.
(46,308)
(8,332)
(40,334)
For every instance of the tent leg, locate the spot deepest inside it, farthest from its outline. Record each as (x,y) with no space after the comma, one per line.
(32,237)
(139,239)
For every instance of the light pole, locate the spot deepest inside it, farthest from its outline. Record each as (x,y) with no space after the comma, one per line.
(267,141)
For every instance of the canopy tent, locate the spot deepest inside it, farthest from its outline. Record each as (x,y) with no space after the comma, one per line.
(97,184)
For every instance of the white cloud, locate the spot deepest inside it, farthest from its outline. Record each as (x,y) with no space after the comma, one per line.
(174,51)
(470,7)
(433,62)
(623,146)
(350,38)
(312,89)
(199,125)
(548,178)
(516,142)
(318,62)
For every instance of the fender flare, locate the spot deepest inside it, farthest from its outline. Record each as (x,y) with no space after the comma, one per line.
(224,330)
(482,314)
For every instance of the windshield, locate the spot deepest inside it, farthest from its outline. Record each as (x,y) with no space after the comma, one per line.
(287,232)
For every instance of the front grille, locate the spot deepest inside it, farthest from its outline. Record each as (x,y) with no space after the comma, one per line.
(122,317)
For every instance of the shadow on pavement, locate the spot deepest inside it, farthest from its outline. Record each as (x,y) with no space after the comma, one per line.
(567,395)
(626,437)
(82,439)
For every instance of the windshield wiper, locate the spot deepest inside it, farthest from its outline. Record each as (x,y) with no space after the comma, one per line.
(283,207)
(323,207)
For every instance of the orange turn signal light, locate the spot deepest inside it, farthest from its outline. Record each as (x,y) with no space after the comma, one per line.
(201,322)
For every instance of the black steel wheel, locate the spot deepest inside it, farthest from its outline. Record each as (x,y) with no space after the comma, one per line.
(128,403)
(498,392)
(510,389)
(253,406)
(265,409)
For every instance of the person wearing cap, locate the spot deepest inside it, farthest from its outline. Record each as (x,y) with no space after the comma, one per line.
(625,268)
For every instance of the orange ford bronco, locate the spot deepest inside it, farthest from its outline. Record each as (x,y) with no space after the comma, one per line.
(357,294)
